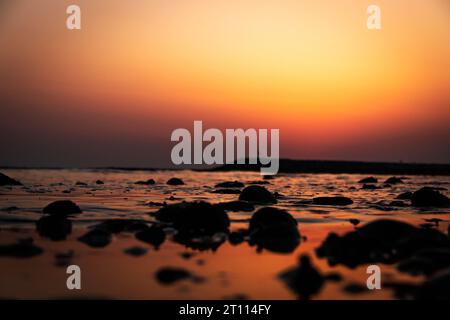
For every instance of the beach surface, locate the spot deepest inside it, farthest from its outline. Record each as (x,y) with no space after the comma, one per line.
(221,266)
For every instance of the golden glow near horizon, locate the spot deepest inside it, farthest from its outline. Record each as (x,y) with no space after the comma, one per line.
(292,63)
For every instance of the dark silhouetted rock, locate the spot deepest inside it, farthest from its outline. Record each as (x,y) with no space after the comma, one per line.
(404,196)
(198,224)
(154,235)
(230,184)
(274,229)
(426,261)
(398,203)
(54,227)
(332,201)
(435,288)
(386,241)
(99,182)
(368,180)
(171,275)
(135,251)
(427,197)
(305,280)
(147,183)
(236,206)
(23,248)
(81,184)
(237,237)
(62,208)
(175,182)
(227,191)
(393,180)
(96,238)
(257,194)
(354,222)
(7,181)
(370,187)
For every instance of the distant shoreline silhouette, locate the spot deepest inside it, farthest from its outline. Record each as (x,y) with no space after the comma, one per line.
(293,166)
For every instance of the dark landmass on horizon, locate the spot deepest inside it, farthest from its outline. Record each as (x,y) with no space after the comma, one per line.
(295,166)
(358,167)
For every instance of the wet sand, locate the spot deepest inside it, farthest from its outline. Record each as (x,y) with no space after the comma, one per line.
(229,271)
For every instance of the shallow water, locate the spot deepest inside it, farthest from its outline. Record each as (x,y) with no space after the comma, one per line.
(231,271)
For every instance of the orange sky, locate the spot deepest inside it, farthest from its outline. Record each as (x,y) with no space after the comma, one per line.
(139,69)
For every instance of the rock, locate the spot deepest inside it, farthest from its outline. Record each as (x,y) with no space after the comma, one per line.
(96,238)
(426,261)
(393,180)
(197,223)
(154,235)
(435,288)
(23,248)
(237,237)
(274,229)
(383,240)
(175,182)
(332,201)
(354,222)
(227,191)
(257,194)
(187,255)
(54,227)
(135,251)
(81,184)
(305,280)
(7,181)
(99,182)
(427,197)
(229,184)
(236,206)
(370,187)
(404,196)
(397,203)
(171,275)
(368,180)
(148,182)
(62,208)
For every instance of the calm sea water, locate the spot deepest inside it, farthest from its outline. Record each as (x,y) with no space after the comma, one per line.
(231,271)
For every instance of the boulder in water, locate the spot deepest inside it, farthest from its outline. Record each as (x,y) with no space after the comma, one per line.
(427,197)
(175,182)
(368,180)
(393,180)
(332,201)
(197,223)
(229,184)
(23,248)
(7,181)
(257,194)
(383,240)
(274,229)
(54,227)
(96,238)
(154,235)
(62,208)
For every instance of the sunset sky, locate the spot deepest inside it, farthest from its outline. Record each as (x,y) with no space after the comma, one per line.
(111,93)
